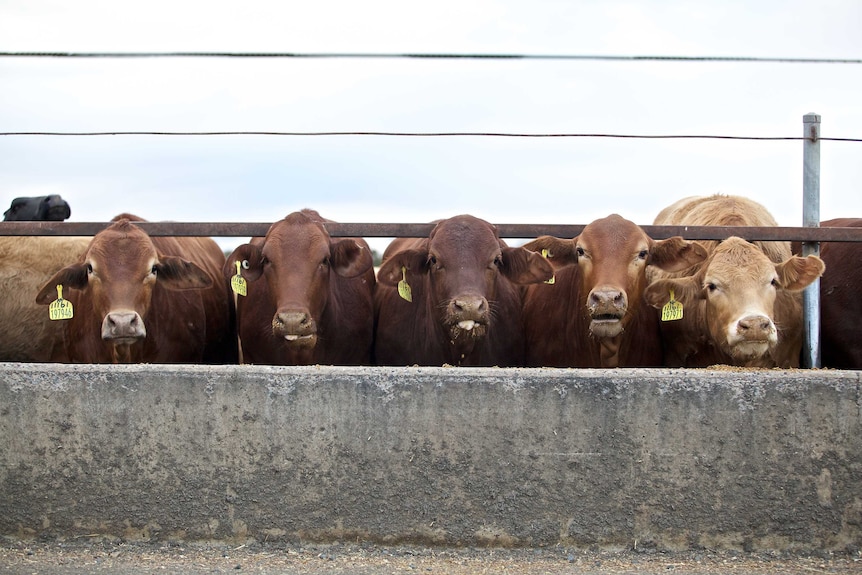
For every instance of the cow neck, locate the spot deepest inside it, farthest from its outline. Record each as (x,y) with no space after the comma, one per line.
(121,353)
(609,351)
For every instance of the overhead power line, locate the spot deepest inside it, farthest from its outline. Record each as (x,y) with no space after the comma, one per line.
(430,56)
(429,135)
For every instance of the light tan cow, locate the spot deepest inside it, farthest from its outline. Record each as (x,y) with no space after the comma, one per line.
(741,306)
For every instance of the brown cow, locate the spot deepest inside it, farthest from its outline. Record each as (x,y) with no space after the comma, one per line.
(26,263)
(593,315)
(466,306)
(742,305)
(840,302)
(314,304)
(142,299)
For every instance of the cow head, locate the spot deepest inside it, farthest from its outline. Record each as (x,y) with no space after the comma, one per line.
(120,270)
(39,208)
(612,254)
(737,287)
(296,259)
(464,261)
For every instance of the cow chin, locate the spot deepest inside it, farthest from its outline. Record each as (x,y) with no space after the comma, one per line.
(467,330)
(606,327)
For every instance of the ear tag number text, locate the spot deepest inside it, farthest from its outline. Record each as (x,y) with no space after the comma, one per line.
(60,308)
(237,282)
(672,310)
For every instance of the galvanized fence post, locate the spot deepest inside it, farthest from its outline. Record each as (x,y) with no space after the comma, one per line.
(811,218)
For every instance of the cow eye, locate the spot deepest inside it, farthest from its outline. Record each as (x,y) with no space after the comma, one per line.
(89,268)
(643,254)
(432,260)
(155,269)
(774,283)
(498,260)
(580,251)
(325,262)
(711,287)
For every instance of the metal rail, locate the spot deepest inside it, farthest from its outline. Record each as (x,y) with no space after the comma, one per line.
(382,230)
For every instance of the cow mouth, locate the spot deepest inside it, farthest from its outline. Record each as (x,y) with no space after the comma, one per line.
(467,329)
(606,325)
(123,340)
(749,349)
(296,340)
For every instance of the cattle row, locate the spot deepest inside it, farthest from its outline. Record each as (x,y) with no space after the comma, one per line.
(610,297)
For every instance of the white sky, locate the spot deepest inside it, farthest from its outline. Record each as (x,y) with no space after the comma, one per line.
(386,179)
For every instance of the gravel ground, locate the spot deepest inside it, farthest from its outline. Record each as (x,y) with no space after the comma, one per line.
(81,556)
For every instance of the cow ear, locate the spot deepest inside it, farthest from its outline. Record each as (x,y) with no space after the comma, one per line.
(559,252)
(409,263)
(74,276)
(251,261)
(522,266)
(178,274)
(798,273)
(686,290)
(349,258)
(676,254)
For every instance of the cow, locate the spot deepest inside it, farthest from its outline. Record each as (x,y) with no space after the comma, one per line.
(26,263)
(453,298)
(840,303)
(742,305)
(309,297)
(593,314)
(39,208)
(142,299)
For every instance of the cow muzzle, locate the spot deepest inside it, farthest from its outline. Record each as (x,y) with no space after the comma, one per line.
(752,336)
(297,328)
(123,328)
(607,308)
(467,317)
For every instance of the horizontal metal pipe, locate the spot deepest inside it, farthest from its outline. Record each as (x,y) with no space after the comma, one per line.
(378,230)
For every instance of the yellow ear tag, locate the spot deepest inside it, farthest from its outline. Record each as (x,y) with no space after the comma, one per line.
(237,282)
(60,308)
(672,310)
(403,287)
(545,254)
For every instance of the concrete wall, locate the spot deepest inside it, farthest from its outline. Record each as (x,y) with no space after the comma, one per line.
(439,456)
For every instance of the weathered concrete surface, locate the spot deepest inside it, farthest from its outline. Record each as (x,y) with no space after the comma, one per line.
(674,459)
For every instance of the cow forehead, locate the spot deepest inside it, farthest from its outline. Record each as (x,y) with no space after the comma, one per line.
(122,245)
(740,261)
(615,234)
(297,237)
(464,235)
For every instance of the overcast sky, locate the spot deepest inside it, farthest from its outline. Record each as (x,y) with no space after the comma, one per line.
(391,179)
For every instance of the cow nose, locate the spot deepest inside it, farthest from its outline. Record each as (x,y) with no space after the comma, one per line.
(754,327)
(123,325)
(608,299)
(470,307)
(293,322)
